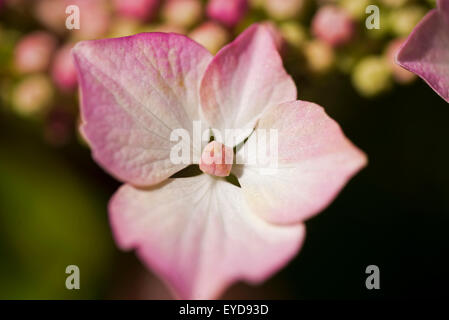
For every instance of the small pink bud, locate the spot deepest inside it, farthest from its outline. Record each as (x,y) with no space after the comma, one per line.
(63,70)
(137,9)
(333,25)
(399,74)
(94,19)
(51,13)
(33,52)
(217,159)
(227,12)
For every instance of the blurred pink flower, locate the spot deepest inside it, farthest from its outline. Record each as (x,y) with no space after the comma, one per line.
(33,52)
(94,19)
(401,75)
(137,9)
(63,69)
(333,25)
(227,12)
(426,53)
(200,234)
(51,13)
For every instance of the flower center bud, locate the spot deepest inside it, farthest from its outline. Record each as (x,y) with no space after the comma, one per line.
(217,159)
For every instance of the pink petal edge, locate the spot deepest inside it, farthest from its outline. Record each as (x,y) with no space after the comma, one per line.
(243,79)
(315,161)
(134,91)
(198,236)
(425,52)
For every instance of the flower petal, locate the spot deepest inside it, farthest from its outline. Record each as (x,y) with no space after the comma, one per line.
(197,234)
(243,79)
(135,91)
(314,161)
(426,51)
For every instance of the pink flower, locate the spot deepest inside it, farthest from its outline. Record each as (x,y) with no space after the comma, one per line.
(63,69)
(227,12)
(51,13)
(333,25)
(137,9)
(94,19)
(426,53)
(200,234)
(34,51)
(400,74)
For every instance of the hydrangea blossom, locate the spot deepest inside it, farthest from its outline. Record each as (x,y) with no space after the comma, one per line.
(137,9)
(227,12)
(33,52)
(426,50)
(333,25)
(201,233)
(63,69)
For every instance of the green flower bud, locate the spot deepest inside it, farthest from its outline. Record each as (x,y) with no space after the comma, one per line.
(319,55)
(403,20)
(293,33)
(372,76)
(394,3)
(355,8)
(32,95)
